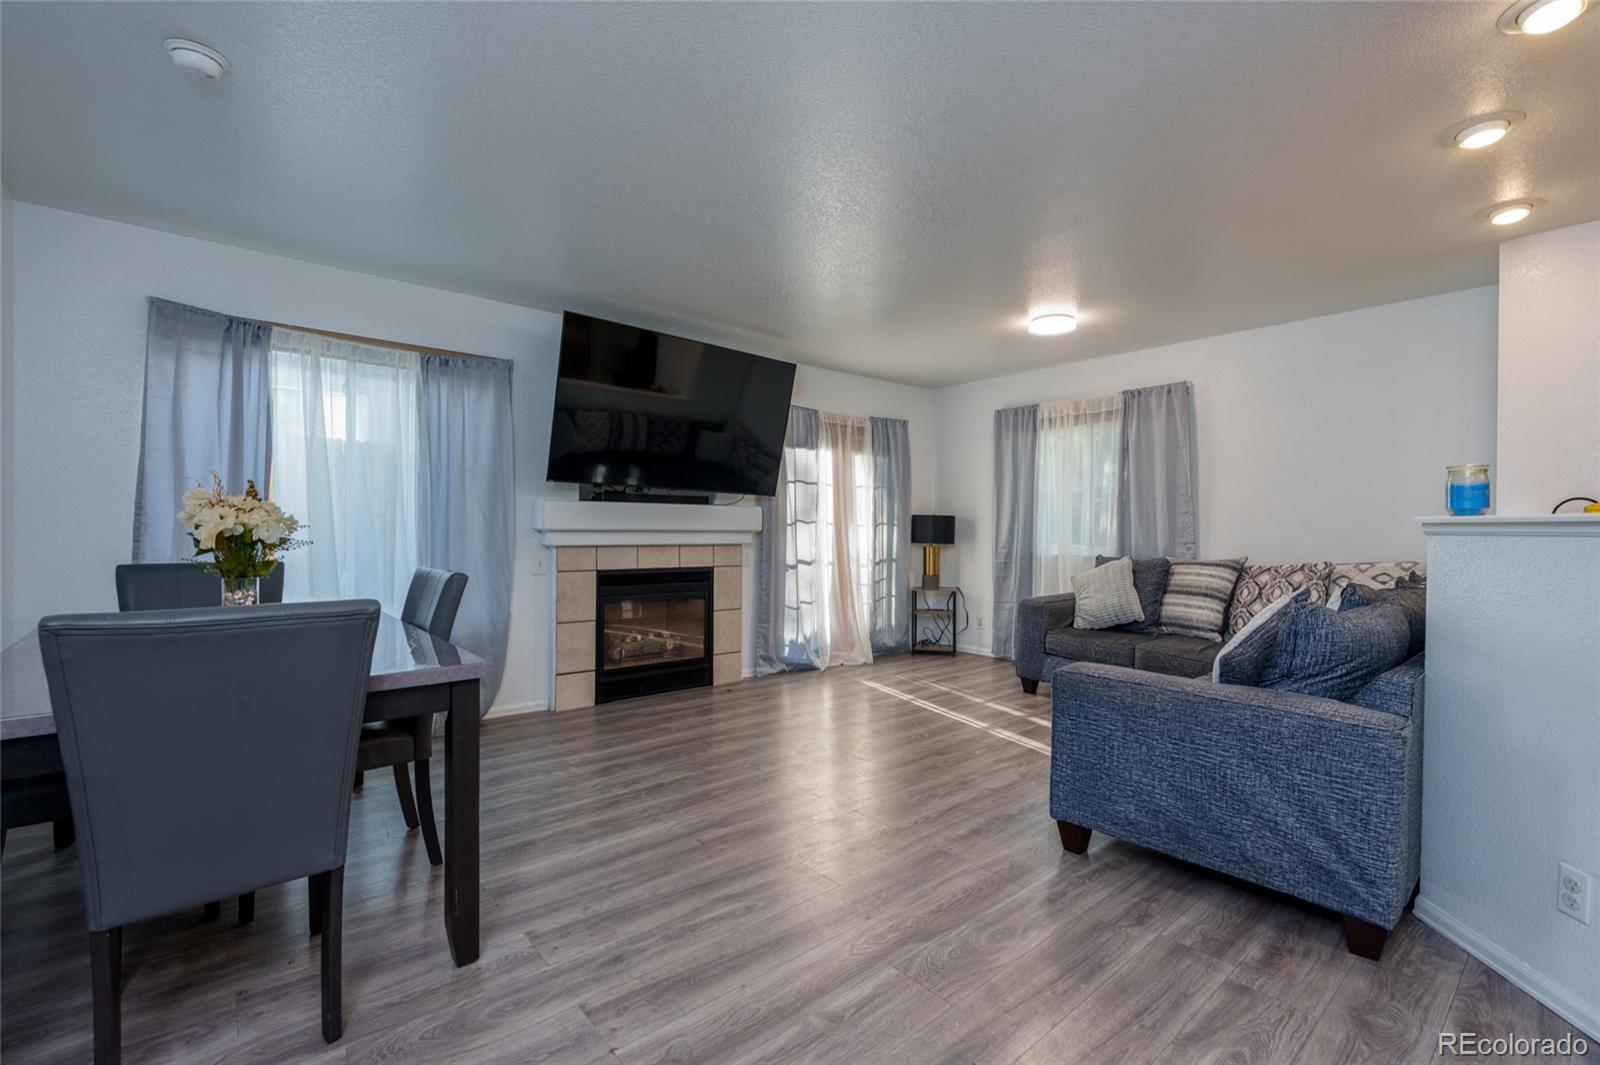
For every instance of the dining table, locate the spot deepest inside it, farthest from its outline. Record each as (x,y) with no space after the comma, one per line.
(413,673)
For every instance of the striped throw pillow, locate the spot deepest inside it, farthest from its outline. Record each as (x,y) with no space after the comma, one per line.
(1198,594)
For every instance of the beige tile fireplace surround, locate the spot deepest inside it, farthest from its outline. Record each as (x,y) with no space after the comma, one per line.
(576,611)
(592,537)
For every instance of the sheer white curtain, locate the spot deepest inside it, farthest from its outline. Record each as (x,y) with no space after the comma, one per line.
(347,448)
(1079,467)
(846,520)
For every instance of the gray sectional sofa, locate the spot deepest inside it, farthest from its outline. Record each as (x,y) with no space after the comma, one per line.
(1046,640)
(1313,797)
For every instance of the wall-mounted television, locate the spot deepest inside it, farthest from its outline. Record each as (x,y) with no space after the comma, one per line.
(640,410)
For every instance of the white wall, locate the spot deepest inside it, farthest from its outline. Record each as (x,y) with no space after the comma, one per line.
(1510,789)
(1549,418)
(1318,439)
(6,392)
(74,406)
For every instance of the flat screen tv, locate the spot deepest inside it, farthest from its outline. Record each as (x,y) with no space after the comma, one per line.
(637,409)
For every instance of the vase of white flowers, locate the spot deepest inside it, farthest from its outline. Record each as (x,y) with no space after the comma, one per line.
(237,537)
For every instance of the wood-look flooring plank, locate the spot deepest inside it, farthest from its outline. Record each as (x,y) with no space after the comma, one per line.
(1392,1009)
(1137,1011)
(799,868)
(1238,1025)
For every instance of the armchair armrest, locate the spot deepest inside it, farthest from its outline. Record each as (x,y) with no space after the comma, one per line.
(1311,796)
(1036,618)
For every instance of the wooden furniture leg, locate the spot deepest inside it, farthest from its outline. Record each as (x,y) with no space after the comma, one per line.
(332,950)
(430,826)
(105,981)
(64,834)
(461,822)
(1364,938)
(316,900)
(247,908)
(408,804)
(1029,687)
(1075,838)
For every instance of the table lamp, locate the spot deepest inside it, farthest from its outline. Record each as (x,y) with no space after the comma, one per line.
(931,531)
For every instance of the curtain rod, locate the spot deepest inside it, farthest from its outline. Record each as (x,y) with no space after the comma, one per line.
(376,342)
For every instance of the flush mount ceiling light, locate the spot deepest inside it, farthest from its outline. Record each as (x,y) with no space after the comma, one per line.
(1051,325)
(1482,134)
(194,58)
(1509,214)
(1537,17)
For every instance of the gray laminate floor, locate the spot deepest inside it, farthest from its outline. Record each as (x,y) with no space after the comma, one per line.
(856,866)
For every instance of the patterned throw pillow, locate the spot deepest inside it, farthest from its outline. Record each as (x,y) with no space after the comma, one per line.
(1260,586)
(1198,593)
(1106,596)
(1247,653)
(1150,581)
(1410,594)
(1323,652)
(1372,574)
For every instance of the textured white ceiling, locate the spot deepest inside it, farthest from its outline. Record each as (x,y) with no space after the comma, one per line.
(884,188)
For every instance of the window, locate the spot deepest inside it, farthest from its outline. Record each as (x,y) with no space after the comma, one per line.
(1079,466)
(346,447)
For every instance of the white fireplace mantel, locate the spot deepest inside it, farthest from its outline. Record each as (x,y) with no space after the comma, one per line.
(577,523)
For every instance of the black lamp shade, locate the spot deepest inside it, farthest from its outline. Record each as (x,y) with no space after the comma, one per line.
(933,528)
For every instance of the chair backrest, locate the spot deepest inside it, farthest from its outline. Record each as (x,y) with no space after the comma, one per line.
(207,752)
(180,586)
(433,599)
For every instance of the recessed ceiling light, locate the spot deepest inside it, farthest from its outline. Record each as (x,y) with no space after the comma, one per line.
(1509,214)
(1051,325)
(1536,17)
(1482,134)
(192,57)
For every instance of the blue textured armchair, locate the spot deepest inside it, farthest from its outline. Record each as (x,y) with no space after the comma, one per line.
(1311,797)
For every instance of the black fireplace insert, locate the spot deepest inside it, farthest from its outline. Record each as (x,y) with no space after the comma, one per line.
(652,632)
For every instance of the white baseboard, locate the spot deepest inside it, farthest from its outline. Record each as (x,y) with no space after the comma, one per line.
(1581,1015)
(974,649)
(512,709)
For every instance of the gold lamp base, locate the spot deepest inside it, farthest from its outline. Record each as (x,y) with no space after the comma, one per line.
(930,566)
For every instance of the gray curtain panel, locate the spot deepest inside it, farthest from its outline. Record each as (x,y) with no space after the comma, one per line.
(1156,512)
(891,535)
(1016,439)
(207,406)
(787,631)
(468,507)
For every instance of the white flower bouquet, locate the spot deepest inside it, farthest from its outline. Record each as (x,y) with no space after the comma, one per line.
(242,534)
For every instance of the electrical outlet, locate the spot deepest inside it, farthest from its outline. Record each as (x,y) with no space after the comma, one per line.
(980,622)
(1573,890)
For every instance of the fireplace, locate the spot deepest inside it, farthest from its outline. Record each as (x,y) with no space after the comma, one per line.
(653,631)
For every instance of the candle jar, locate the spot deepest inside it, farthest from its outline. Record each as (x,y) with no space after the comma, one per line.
(1466,490)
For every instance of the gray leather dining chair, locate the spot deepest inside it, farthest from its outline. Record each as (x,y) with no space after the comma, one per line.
(431,603)
(208,753)
(180,585)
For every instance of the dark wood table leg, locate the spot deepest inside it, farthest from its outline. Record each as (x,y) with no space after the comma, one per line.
(461,822)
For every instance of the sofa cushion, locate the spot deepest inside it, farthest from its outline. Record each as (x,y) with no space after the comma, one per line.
(1334,655)
(1410,594)
(1150,581)
(1261,586)
(1197,597)
(1111,647)
(1180,656)
(1372,574)
(1246,655)
(1106,596)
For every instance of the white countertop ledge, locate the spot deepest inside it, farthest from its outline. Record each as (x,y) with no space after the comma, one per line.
(1513,525)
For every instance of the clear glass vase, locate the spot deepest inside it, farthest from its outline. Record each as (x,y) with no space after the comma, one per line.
(241,591)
